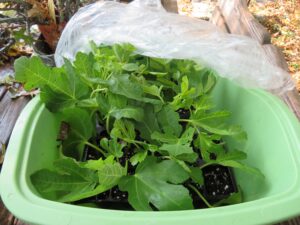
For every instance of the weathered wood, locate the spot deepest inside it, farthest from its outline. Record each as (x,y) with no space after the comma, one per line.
(276,57)
(240,21)
(2,91)
(9,112)
(170,5)
(18,222)
(294,221)
(4,71)
(5,217)
(219,20)
(292,99)
(249,26)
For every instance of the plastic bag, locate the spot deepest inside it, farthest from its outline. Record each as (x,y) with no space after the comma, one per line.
(158,33)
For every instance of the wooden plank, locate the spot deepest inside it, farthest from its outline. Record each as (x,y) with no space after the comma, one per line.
(219,20)
(18,222)
(5,217)
(247,25)
(170,5)
(4,71)
(2,91)
(292,99)
(240,21)
(276,57)
(9,112)
(294,221)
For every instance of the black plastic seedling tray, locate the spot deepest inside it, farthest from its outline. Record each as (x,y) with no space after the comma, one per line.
(219,183)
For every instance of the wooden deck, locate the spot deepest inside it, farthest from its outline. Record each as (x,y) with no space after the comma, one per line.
(9,112)
(234,19)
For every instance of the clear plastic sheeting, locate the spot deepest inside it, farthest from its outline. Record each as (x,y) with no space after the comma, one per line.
(158,33)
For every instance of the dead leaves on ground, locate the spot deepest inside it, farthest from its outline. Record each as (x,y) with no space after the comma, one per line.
(42,10)
(185,7)
(282,19)
(198,9)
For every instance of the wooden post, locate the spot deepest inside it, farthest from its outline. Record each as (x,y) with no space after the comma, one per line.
(240,21)
(170,5)
(219,20)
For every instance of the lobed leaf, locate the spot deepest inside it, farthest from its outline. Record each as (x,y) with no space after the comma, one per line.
(60,87)
(168,120)
(70,182)
(153,182)
(113,147)
(81,130)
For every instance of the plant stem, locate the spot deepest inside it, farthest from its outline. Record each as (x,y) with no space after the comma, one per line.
(184,120)
(205,165)
(161,99)
(97,90)
(200,195)
(95,147)
(166,157)
(134,142)
(139,142)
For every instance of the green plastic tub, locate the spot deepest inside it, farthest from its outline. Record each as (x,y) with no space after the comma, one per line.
(273,146)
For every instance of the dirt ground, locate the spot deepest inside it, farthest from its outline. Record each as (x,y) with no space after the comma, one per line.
(282,19)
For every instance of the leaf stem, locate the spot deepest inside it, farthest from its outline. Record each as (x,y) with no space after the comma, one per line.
(197,129)
(95,147)
(184,120)
(97,90)
(136,145)
(200,195)
(161,99)
(139,142)
(206,164)
(134,142)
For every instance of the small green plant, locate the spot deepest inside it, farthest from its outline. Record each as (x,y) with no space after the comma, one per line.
(149,121)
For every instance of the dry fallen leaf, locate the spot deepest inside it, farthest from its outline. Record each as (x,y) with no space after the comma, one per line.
(39,10)
(282,19)
(7,80)
(17,91)
(19,49)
